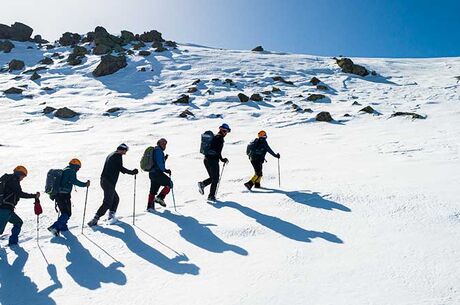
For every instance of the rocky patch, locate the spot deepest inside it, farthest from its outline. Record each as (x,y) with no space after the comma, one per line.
(183,99)
(324,116)
(6,46)
(13,90)
(110,64)
(258,49)
(412,114)
(282,80)
(65,113)
(314,81)
(48,110)
(18,31)
(186,113)
(69,39)
(315,97)
(243,97)
(15,65)
(35,76)
(256,97)
(348,66)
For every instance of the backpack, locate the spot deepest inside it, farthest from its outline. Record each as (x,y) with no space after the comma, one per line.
(53,182)
(255,149)
(147,161)
(206,140)
(3,181)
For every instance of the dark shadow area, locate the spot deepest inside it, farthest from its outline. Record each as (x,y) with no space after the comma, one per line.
(199,234)
(278,225)
(18,289)
(174,265)
(312,199)
(86,270)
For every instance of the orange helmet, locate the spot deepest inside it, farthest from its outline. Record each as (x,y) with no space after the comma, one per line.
(21,169)
(75,162)
(262,134)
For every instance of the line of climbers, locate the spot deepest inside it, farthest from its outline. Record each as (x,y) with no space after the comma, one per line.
(60,182)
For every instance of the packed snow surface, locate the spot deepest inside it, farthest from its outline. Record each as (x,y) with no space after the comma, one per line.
(367,211)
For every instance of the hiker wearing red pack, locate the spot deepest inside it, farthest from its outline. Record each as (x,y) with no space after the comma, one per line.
(10,193)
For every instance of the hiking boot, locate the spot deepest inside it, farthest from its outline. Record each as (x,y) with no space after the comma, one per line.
(151,210)
(201,187)
(53,231)
(160,201)
(257,185)
(249,185)
(93,222)
(212,198)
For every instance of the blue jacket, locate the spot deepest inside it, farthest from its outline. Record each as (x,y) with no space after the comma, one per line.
(158,160)
(69,179)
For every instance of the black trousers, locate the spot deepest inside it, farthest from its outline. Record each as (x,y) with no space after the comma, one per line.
(64,203)
(212,166)
(111,198)
(257,165)
(158,179)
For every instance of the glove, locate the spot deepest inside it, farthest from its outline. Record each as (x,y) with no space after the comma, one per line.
(135,171)
(168,171)
(278,155)
(166,157)
(37,207)
(37,195)
(88,183)
(225,160)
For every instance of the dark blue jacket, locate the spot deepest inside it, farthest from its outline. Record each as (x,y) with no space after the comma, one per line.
(69,179)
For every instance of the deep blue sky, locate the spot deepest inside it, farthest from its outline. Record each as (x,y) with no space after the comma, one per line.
(368,28)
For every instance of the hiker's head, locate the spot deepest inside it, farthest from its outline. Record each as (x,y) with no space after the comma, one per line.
(224,129)
(162,143)
(122,149)
(20,171)
(75,163)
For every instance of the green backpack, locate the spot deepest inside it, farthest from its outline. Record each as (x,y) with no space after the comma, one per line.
(146,163)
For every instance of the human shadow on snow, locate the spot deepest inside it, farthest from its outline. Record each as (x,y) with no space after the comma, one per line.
(86,270)
(174,265)
(313,199)
(199,234)
(279,225)
(18,289)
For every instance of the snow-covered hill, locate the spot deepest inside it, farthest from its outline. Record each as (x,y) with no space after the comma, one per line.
(366,212)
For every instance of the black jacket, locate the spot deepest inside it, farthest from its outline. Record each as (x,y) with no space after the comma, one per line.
(217,145)
(112,168)
(263,147)
(12,192)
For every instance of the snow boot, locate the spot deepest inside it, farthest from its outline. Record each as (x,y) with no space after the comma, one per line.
(160,201)
(249,185)
(257,185)
(201,187)
(212,199)
(112,218)
(93,222)
(53,231)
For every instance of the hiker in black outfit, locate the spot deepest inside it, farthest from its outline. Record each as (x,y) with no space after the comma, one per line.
(11,192)
(109,177)
(158,178)
(211,162)
(256,151)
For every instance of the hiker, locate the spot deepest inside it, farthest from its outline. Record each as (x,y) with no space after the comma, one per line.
(158,178)
(256,152)
(63,196)
(10,193)
(109,177)
(212,155)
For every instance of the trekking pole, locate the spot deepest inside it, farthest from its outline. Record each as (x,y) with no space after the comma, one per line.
(172,193)
(38,238)
(84,210)
(279,173)
(221,173)
(134,200)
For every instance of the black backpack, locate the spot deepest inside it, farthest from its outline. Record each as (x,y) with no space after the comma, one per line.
(53,182)
(206,140)
(3,181)
(255,149)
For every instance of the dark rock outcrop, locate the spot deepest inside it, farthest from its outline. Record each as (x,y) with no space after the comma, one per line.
(368,109)
(138,45)
(75,60)
(281,79)
(18,31)
(322,87)
(79,51)
(113,109)
(348,66)
(65,113)
(315,97)
(192,90)
(13,90)
(256,97)
(170,44)
(186,113)
(16,64)
(324,116)
(6,46)
(412,114)
(144,53)
(35,76)
(258,49)
(160,49)
(151,36)
(127,36)
(276,89)
(46,61)
(110,64)
(48,110)
(315,81)
(69,39)
(243,97)
(183,99)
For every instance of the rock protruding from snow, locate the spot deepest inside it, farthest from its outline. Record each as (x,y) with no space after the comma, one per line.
(18,31)
(69,39)
(13,90)
(183,99)
(256,97)
(110,64)
(348,66)
(368,109)
(127,36)
(151,36)
(106,42)
(315,81)
(258,49)
(315,97)
(6,46)
(16,64)
(412,114)
(243,97)
(144,53)
(48,110)
(281,79)
(324,116)
(186,113)
(46,61)
(65,113)
(35,76)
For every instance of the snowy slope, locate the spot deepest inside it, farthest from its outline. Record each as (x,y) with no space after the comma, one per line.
(366,212)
